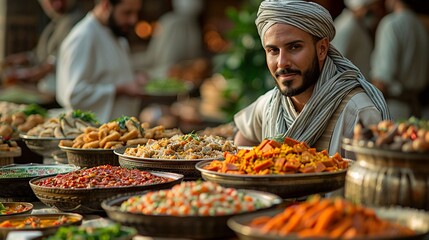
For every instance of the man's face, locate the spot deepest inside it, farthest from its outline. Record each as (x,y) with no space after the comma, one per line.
(124,16)
(292,59)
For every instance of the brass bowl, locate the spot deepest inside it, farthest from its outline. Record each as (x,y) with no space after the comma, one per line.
(193,227)
(75,219)
(412,218)
(90,157)
(286,186)
(14,179)
(88,200)
(180,166)
(44,146)
(382,177)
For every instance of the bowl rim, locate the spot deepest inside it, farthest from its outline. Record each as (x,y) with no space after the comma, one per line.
(199,166)
(36,165)
(362,147)
(178,178)
(26,204)
(79,218)
(30,137)
(110,204)
(85,150)
(121,153)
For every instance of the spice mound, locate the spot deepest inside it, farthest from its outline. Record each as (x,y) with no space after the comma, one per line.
(272,157)
(193,199)
(104,176)
(189,146)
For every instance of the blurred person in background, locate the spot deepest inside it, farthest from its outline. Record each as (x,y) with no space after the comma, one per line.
(177,38)
(320,95)
(355,29)
(38,66)
(94,67)
(399,64)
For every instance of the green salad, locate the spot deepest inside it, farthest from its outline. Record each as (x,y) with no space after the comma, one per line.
(110,232)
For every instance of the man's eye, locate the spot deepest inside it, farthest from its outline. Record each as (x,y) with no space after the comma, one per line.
(272,50)
(295,47)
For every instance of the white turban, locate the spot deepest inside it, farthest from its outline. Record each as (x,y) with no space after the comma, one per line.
(356,4)
(307,16)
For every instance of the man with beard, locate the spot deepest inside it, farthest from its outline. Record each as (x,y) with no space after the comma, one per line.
(320,95)
(94,68)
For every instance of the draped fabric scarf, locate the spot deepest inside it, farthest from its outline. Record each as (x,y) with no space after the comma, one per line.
(338,77)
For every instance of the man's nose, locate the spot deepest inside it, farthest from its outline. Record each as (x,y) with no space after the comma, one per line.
(283,60)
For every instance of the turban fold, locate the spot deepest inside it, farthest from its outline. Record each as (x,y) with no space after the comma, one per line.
(307,16)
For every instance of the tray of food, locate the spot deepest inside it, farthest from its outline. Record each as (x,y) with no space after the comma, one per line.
(331,218)
(83,190)
(178,153)
(192,209)
(289,169)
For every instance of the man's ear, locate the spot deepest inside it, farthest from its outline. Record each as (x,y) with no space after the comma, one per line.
(322,48)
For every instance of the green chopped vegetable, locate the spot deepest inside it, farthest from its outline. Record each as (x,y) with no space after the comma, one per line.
(34,109)
(85,116)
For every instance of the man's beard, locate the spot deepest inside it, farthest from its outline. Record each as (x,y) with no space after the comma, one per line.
(309,79)
(116,29)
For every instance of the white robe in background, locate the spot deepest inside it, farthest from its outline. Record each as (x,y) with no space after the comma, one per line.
(91,62)
(353,41)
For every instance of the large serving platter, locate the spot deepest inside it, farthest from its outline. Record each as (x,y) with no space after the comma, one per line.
(14,179)
(194,227)
(286,186)
(180,166)
(412,218)
(88,200)
(44,146)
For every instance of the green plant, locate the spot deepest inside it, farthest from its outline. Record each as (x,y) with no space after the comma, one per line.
(243,65)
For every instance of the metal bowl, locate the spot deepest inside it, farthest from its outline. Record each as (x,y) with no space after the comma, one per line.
(181,166)
(44,146)
(14,179)
(90,157)
(194,227)
(28,208)
(75,219)
(286,186)
(412,218)
(88,200)
(382,177)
